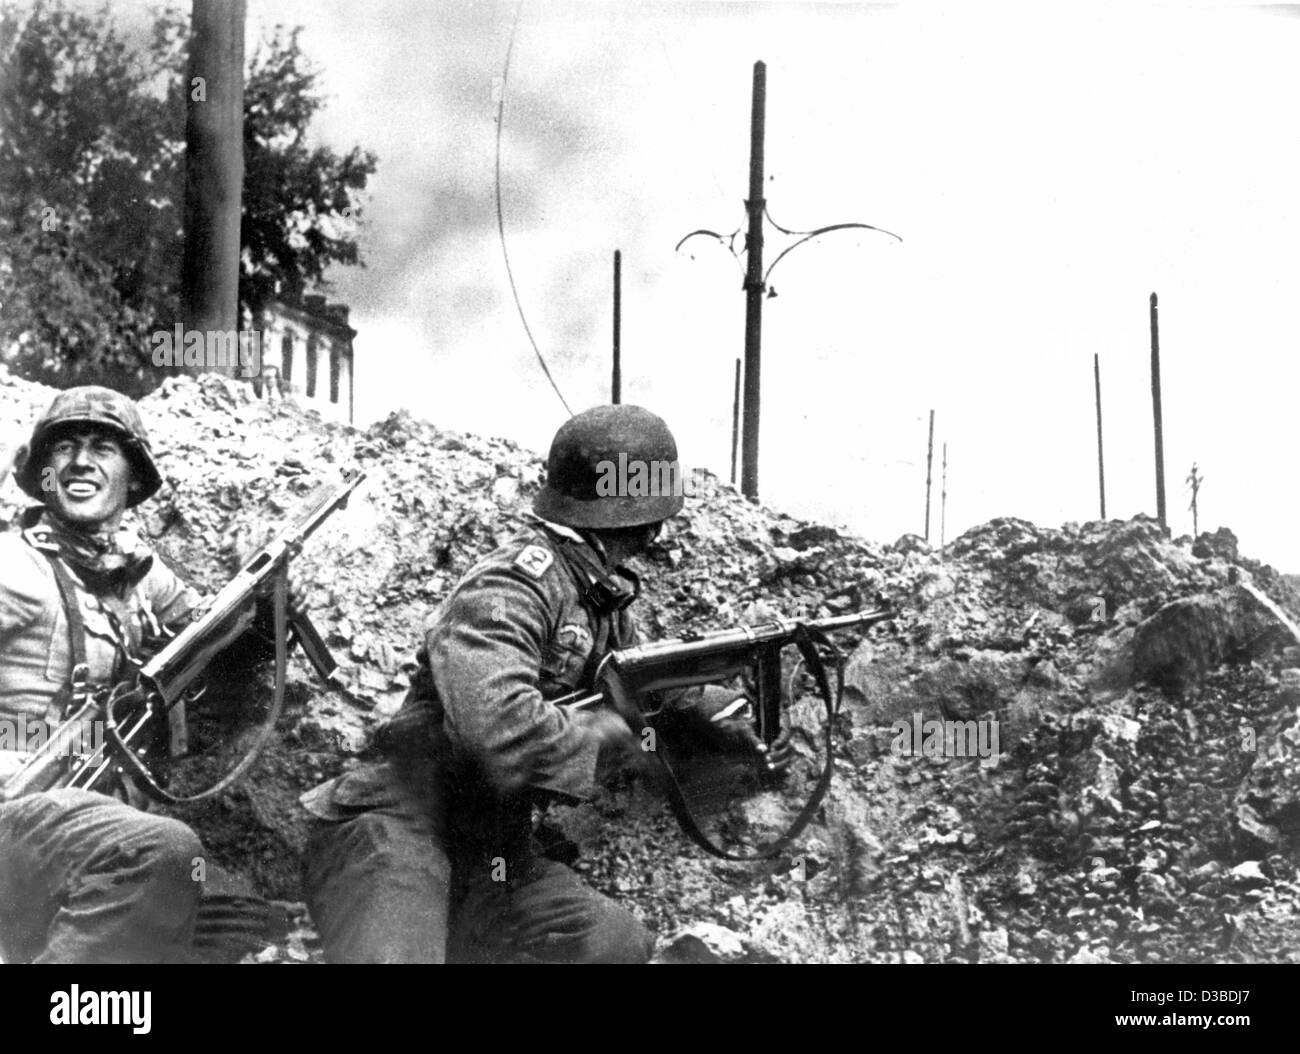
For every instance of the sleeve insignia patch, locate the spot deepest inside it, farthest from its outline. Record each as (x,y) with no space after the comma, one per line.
(535,560)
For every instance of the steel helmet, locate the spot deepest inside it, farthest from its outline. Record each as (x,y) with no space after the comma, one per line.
(91,405)
(611,467)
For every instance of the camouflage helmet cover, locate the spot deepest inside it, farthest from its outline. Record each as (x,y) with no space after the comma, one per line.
(90,405)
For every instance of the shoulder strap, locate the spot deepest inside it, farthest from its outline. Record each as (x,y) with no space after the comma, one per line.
(71,608)
(65,697)
(76,630)
(605,592)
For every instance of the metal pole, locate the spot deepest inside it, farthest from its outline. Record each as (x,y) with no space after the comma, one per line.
(735,423)
(943,499)
(1101,460)
(1155,406)
(929,462)
(755,206)
(214,166)
(617,386)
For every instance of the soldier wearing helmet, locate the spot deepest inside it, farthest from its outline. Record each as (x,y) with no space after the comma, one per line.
(85,877)
(429,855)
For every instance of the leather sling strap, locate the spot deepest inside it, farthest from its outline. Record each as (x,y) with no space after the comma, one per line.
(133,764)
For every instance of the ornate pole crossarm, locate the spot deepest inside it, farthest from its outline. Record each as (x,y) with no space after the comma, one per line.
(728,242)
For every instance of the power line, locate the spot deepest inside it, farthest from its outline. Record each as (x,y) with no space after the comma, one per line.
(501,223)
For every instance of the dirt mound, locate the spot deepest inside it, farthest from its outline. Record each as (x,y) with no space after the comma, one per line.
(1140,803)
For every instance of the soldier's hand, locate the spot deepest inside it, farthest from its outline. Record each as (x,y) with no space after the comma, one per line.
(776,758)
(771,760)
(607,728)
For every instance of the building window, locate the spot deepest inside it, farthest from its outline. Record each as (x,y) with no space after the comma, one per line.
(286,357)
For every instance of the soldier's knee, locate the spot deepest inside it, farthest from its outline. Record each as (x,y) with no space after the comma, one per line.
(615,936)
(362,845)
(376,891)
(171,847)
(560,919)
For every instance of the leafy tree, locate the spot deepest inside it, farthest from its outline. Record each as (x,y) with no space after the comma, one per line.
(92,154)
(298,201)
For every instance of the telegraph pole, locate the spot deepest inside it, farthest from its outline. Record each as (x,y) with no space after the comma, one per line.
(756,279)
(214,166)
(1155,407)
(1101,460)
(929,461)
(943,499)
(735,422)
(754,205)
(617,383)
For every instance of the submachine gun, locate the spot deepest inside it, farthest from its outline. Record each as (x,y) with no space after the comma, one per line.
(133,710)
(628,678)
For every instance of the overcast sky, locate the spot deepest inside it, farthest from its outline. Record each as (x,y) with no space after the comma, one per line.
(1047,166)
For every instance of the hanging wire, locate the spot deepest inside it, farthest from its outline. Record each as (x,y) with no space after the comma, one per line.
(501,223)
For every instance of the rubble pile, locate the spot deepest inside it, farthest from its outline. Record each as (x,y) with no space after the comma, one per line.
(1139,802)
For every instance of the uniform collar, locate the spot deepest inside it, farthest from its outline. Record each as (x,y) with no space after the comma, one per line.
(105,562)
(607,589)
(568,532)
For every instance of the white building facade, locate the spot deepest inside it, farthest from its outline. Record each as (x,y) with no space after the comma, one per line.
(307,356)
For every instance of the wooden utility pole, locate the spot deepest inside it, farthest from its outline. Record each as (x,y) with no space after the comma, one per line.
(756,279)
(1101,459)
(1155,407)
(214,166)
(735,422)
(755,205)
(943,499)
(929,462)
(1194,480)
(617,385)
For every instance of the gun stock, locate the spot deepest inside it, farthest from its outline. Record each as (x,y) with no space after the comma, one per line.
(46,766)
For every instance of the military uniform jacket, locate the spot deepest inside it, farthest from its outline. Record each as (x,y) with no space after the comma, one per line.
(35,654)
(515,634)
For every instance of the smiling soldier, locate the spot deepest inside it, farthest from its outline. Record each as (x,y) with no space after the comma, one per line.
(84,877)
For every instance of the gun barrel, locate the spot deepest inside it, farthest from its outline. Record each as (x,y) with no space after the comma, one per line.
(856,618)
(738,640)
